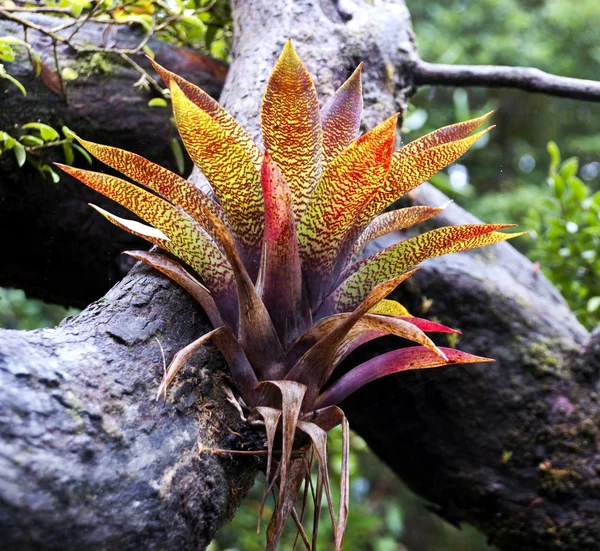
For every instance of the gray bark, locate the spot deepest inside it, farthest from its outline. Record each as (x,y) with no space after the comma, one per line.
(511,447)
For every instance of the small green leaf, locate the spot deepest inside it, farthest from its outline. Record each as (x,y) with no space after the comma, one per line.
(20,154)
(69,74)
(37,63)
(579,189)
(48,169)
(7,53)
(145,20)
(193,21)
(5,75)
(558,185)
(77,6)
(157,102)
(178,154)
(569,168)
(83,152)
(12,40)
(148,51)
(68,152)
(593,304)
(9,142)
(554,155)
(47,133)
(30,140)
(68,133)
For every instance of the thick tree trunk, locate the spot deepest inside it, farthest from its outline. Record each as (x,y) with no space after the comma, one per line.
(512,447)
(50,224)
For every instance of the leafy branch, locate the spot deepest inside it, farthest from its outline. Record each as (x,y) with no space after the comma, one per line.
(180,22)
(200,23)
(38,137)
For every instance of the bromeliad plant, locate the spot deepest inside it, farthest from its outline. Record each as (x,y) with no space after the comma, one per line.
(278,251)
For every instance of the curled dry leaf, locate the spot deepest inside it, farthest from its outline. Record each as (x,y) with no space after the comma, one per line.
(274,260)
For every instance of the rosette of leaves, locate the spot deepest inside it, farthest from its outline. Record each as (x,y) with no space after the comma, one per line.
(275,257)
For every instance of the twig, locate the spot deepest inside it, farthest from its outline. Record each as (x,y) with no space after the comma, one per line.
(148,36)
(63,88)
(31,25)
(498,76)
(40,9)
(142,71)
(84,20)
(46,145)
(29,55)
(69,23)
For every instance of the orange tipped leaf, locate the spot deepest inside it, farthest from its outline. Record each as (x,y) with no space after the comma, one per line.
(228,169)
(362,276)
(291,126)
(169,185)
(395,220)
(447,134)
(347,183)
(200,98)
(407,172)
(188,240)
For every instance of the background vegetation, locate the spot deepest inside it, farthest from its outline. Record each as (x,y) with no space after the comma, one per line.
(513,175)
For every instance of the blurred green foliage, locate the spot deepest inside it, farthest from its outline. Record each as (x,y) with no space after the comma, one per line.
(19,312)
(500,181)
(566,231)
(203,24)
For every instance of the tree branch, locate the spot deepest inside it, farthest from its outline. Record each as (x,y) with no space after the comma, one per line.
(88,458)
(498,76)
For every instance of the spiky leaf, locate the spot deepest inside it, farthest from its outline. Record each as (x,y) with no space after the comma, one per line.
(407,172)
(347,183)
(229,170)
(282,280)
(200,98)
(340,117)
(383,265)
(394,220)
(291,126)
(416,357)
(188,240)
